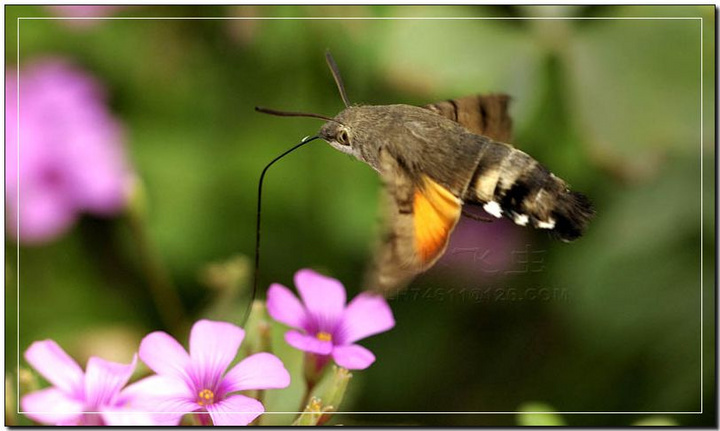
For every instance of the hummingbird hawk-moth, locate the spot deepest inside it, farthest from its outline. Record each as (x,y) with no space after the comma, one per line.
(435,159)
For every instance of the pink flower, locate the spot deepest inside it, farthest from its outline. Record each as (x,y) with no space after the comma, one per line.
(85,11)
(72,158)
(74,394)
(198,382)
(328,328)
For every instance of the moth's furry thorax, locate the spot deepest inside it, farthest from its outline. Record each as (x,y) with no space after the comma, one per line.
(372,127)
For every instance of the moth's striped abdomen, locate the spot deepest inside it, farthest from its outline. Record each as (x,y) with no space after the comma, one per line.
(510,183)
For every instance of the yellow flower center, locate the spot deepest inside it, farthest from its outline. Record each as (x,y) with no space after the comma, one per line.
(205,397)
(324,336)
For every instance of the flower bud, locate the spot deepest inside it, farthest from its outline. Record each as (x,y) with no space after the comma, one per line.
(335,392)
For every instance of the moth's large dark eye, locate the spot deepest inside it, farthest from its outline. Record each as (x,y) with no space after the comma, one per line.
(343,138)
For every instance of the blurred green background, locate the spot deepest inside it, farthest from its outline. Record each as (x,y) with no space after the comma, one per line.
(612,106)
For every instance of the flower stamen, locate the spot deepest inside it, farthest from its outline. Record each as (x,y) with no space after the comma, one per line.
(324,336)
(205,397)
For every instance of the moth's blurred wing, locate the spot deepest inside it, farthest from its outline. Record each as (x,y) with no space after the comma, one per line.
(420,216)
(481,114)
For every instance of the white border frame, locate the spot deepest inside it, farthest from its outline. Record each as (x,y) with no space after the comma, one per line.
(702,54)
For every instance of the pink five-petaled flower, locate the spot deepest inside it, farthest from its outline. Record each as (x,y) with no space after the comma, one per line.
(198,382)
(77,398)
(329,328)
(71,157)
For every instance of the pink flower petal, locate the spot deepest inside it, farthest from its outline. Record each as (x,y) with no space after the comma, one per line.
(259,371)
(119,416)
(366,315)
(44,215)
(101,186)
(324,298)
(58,368)
(167,398)
(308,343)
(164,355)
(213,346)
(284,307)
(353,357)
(149,389)
(235,410)
(51,406)
(104,379)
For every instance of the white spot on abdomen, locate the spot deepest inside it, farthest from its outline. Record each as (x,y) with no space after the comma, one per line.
(521,219)
(550,224)
(493,208)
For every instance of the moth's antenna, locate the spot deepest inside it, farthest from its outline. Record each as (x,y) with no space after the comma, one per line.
(257,228)
(294,114)
(338,79)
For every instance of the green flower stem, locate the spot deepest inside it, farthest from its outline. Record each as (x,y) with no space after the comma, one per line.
(257,339)
(264,330)
(164,294)
(311,414)
(260,396)
(314,368)
(203,419)
(10,401)
(258,336)
(306,398)
(191,420)
(335,392)
(317,408)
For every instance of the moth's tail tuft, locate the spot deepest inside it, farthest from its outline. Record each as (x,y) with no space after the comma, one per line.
(509,183)
(572,213)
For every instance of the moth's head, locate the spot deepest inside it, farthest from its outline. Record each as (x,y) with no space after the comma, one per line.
(340,134)
(339,131)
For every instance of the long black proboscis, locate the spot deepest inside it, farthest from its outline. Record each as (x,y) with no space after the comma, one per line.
(257,225)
